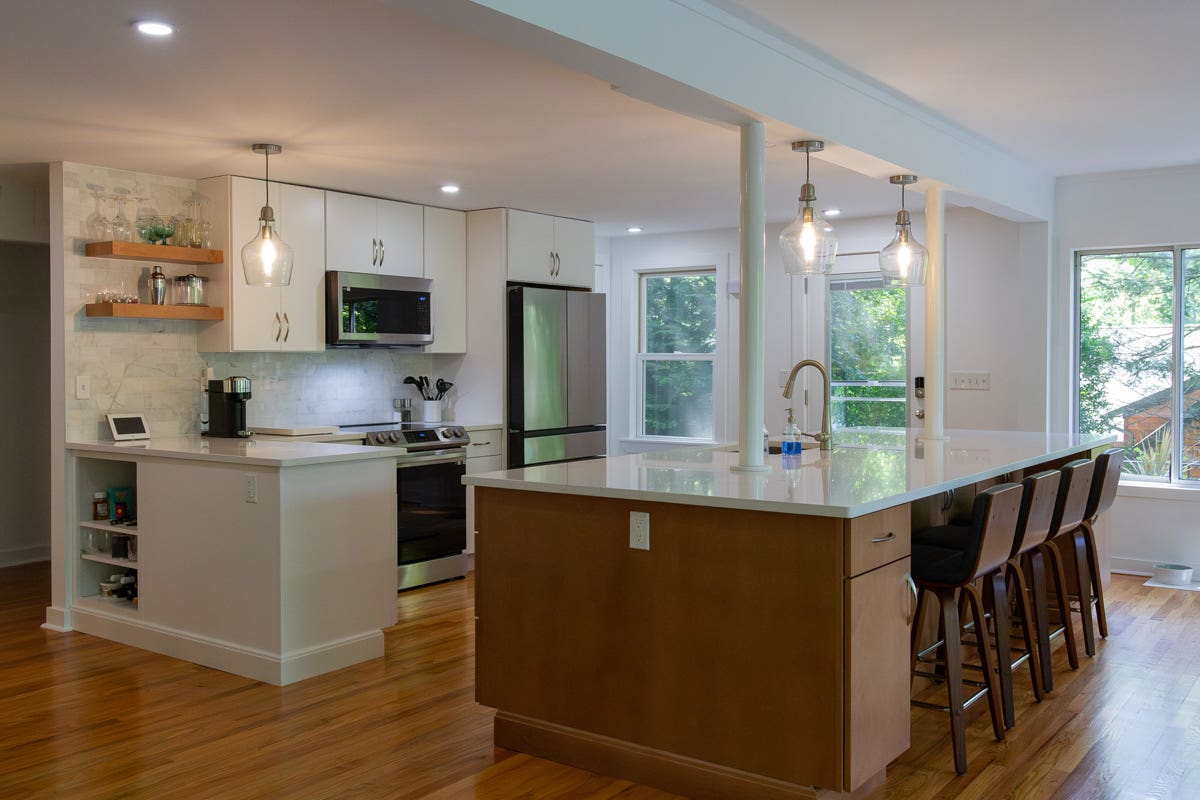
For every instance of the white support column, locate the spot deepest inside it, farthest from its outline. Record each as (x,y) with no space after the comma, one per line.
(935,313)
(753,247)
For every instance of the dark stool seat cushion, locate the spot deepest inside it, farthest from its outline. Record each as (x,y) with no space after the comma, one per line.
(944,554)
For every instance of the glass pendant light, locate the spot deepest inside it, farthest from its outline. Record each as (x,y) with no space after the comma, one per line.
(809,244)
(904,259)
(267,259)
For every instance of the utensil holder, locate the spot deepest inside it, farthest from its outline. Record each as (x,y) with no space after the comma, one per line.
(431,410)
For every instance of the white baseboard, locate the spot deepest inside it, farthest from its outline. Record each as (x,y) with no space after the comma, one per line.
(14,556)
(1132,566)
(258,665)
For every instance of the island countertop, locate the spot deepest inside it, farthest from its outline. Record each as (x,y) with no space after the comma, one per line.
(259,452)
(865,472)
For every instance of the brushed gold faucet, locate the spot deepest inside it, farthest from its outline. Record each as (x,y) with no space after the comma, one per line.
(825,437)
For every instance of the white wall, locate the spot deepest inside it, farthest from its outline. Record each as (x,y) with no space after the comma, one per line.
(1126,209)
(992,273)
(25,402)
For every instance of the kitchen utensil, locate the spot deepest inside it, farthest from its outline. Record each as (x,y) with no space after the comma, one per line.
(158,287)
(189,290)
(425,393)
(443,387)
(411,381)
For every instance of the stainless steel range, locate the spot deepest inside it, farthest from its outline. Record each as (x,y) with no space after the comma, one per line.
(431,502)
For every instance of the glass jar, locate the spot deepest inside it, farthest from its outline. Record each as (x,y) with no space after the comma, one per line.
(100,506)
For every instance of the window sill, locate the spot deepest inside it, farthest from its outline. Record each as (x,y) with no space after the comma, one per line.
(1159,491)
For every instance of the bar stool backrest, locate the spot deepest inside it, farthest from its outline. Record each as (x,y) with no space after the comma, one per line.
(995,518)
(1037,510)
(1104,482)
(1073,495)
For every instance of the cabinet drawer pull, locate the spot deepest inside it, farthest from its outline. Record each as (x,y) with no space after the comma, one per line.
(480,444)
(881,539)
(916,598)
(374,253)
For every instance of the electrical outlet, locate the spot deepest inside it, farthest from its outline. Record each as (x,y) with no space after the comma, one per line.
(978,381)
(251,487)
(639,530)
(83,387)
(783,373)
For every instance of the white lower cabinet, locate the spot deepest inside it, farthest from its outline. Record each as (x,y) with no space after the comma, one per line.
(484,454)
(287,318)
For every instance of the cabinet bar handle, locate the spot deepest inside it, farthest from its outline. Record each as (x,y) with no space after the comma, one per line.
(278,326)
(882,539)
(374,253)
(550,258)
(916,598)
(382,252)
(479,444)
(287,331)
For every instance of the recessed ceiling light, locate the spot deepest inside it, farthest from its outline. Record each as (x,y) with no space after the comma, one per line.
(832,212)
(634,229)
(154,28)
(450,188)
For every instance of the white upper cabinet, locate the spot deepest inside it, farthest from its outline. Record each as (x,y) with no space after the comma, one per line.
(446,266)
(258,318)
(363,234)
(553,250)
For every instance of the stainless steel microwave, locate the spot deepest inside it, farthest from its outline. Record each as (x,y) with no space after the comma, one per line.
(363,309)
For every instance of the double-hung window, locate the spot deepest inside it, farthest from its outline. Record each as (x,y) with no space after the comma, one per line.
(677,352)
(1137,351)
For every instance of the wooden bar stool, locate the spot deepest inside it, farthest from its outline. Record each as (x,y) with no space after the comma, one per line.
(1104,491)
(1069,508)
(945,562)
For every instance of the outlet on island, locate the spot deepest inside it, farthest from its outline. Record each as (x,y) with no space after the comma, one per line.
(639,530)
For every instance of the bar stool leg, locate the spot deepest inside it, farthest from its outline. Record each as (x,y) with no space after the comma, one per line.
(995,601)
(1064,601)
(985,658)
(1097,584)
(1083,585)
(1037,573)
(1025,616)
(954,686)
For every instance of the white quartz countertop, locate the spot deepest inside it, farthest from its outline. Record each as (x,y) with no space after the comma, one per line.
(865,471)
(272,452)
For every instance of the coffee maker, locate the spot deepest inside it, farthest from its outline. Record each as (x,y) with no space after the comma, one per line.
(227,407)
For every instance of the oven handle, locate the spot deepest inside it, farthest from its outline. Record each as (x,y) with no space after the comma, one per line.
(436,457)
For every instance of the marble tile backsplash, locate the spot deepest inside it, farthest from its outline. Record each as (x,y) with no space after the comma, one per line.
(153,367)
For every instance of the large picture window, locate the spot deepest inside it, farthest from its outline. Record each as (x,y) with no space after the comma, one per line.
(676,354)
(868,353)
(1138,356)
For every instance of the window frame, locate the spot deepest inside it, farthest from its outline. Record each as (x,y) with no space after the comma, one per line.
(641,357)
(864,277)
(1177,352)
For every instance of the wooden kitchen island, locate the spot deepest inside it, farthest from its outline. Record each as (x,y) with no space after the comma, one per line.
(759,647)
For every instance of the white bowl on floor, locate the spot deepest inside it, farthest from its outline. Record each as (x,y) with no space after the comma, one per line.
(1173,574)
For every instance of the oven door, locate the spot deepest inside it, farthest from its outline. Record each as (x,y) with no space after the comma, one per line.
(431,506)
(367,310)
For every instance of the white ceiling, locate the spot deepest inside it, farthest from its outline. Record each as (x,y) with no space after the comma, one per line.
(368,98)
(1070,86)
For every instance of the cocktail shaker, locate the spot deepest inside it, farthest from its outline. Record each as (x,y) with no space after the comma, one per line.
(158,287)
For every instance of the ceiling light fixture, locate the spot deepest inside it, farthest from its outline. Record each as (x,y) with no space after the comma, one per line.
(634,229)
(267,259)
(450,188)
(832,212)
(154,28)
(809,243)
(903,260)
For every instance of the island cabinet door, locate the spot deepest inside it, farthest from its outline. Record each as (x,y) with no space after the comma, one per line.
(879,607)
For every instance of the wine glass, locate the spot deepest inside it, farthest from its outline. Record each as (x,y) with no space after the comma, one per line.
(121,226)
(99,229)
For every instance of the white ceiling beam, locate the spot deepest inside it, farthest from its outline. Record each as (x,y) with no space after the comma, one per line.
(695,58)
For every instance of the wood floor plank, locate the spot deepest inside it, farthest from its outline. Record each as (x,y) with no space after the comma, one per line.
(87,718)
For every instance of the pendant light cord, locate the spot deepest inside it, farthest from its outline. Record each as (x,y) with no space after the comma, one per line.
(902,188)
(267,181)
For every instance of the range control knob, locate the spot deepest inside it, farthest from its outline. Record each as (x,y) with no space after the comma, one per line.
(393,438)
(459,433)
(381,438)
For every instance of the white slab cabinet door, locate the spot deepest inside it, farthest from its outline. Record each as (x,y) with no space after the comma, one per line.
(302,304)
(575,249)
(530,247)
(255,318)
(446,266)
(400,231)
(351,241)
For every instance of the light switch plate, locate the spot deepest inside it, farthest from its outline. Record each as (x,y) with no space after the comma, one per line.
(975,380)
(83,387)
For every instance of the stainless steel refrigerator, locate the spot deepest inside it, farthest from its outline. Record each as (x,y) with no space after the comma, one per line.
(556,385)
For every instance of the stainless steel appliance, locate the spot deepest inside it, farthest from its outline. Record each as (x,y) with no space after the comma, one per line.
(431,502)
(227,407)
(556,386)
(363,309)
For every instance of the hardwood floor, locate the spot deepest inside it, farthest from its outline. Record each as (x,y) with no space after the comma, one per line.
(87,718)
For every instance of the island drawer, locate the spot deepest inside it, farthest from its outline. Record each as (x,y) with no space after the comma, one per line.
(877,539)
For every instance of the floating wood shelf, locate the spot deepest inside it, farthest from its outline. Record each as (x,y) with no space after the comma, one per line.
(165,253)
(150,311)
